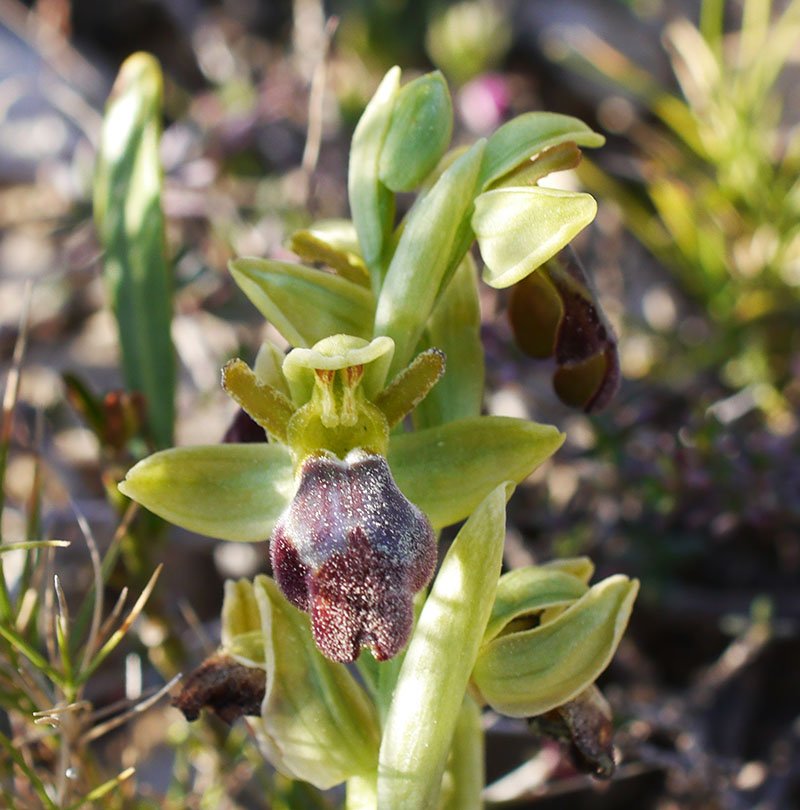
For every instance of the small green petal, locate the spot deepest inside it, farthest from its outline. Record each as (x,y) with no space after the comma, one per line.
(524,136)
(557,158)
(304,304)
(528,590)
(229,491)
(411,386)
(430,688)
(333,242)
(518,229)
(264,404)
(527,673)
(448,470)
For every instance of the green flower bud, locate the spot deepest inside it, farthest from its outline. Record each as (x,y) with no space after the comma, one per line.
(527,670)
(419,132)
(316,722)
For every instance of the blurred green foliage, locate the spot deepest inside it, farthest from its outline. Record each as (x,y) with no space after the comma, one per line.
(715,195)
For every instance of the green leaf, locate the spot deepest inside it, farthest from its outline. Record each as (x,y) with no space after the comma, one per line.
(418,134)
(229,491)
(316,723)
(529,590)
(424,256)
(371,202)
(130,227)
(305,305)
(455,328)
(518,229)
(448,470)
(530,672)
(433,678)
(526,135)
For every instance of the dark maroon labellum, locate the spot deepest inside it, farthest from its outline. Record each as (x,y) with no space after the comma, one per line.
(351,550)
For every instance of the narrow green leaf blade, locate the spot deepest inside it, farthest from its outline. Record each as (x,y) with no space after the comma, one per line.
(305,305)
(229,491)
(448,470)
(432,681)
(424,256)
(130,226)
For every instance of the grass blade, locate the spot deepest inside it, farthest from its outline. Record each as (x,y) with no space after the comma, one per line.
(130,225)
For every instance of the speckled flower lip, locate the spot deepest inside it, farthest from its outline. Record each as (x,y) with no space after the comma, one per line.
(352,551)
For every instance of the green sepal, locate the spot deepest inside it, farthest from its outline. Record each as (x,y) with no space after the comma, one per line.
(228,491)
(527,591)
(371,202)
(425,255)
(430,688)
(130,227)
(333,242)
(520,228)
(316,723)
(525,673)
(448,470)
(265,405)
(304,304)
(455,328)
(418,134)
(524,136)
(411,386)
